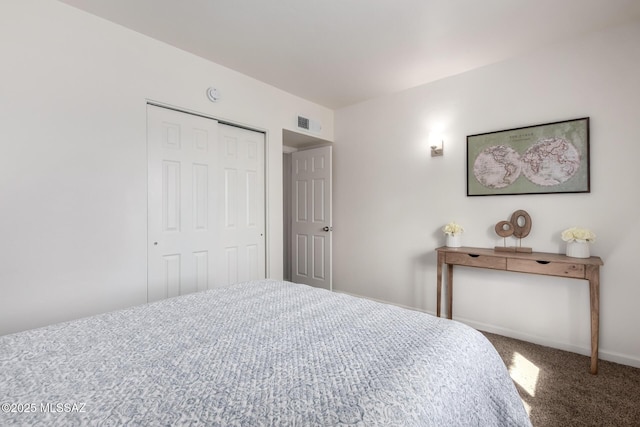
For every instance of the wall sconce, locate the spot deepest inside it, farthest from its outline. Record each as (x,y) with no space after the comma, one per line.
(437,151)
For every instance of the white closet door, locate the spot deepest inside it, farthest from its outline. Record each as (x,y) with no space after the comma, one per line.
(242,256)
(187,206)
(311,217)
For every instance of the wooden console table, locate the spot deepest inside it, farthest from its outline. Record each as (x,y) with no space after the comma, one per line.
(547,264)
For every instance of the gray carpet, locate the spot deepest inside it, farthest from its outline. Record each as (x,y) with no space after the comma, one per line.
(559,390)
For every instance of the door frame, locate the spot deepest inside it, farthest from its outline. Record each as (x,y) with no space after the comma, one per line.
(267,233)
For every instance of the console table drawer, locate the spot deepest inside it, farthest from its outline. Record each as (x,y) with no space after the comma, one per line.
(549,268)
(473,260)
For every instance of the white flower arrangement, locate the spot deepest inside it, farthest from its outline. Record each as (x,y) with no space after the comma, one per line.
(452,229)
(575,234)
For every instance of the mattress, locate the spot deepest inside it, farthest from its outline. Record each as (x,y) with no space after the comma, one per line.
(261,353)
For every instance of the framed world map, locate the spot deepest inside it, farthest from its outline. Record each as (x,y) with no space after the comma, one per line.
(539,159)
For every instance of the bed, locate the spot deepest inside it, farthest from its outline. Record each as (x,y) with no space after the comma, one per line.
(262,353)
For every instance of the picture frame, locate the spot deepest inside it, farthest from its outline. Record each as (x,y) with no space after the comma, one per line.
(539,159)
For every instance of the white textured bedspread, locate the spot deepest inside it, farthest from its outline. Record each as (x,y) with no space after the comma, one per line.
(264,353)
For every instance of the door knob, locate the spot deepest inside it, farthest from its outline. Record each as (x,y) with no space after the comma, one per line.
(327,228)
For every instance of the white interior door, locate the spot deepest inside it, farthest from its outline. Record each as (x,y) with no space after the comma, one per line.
(311,217)
(241,257)
(191,203)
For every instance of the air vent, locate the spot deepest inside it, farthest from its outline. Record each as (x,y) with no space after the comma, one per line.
(308,124)
(303,123)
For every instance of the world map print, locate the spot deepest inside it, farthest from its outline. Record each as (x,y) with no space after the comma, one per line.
(538,159)
(548,162)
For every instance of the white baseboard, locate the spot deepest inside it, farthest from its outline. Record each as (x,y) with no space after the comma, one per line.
(610,356)
(585,351)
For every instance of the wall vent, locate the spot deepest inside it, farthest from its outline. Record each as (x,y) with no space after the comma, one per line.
(303,123)
(308,124)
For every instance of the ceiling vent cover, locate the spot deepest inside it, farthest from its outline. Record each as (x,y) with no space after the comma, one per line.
(308,124)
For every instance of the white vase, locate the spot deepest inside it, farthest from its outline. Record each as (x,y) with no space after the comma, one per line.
(454,240)
(578,249)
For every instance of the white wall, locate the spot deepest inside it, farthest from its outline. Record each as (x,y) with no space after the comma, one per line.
(73,93)
(391,198)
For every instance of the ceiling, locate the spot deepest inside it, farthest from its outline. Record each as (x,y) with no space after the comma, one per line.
(341,52)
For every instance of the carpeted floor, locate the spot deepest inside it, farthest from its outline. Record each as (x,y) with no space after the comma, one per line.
(559,391)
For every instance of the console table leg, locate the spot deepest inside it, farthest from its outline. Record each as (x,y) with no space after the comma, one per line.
(450,291)
(439,283)
(593,275)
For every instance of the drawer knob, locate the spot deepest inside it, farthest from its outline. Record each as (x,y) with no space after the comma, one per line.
(542,262)
(474,255)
